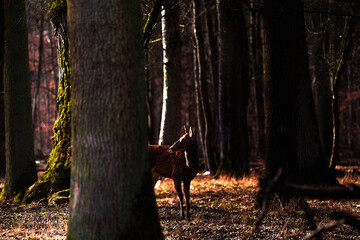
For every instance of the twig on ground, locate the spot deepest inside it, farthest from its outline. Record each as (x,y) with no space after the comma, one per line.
(268,190)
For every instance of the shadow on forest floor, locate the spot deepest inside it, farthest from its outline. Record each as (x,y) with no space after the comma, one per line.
(222,208)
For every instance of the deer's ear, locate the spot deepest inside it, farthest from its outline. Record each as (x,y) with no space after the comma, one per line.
(185,129)
(190,132)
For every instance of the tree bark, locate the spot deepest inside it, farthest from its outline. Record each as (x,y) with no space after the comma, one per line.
(2,94)
(151,21)
(233,88)
(335,73)
(20,161)
(321,84)
(37,100)
(292,139)
(257,74)
(172,76)
(111,190)
(204,79)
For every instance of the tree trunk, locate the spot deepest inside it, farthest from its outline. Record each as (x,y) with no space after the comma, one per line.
(20,161)
(57,174)
(258,80)
(321,83)
(111,190)
(212,21)
(204,78)
(172,76)
(292,140)
(2,110)
(151,21)
(37,99)
(335,73)
(233,88)
(322,99)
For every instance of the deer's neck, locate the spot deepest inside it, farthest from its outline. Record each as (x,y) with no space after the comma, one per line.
(191,156)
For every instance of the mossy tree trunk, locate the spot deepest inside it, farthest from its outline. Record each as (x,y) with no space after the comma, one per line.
(57,174)
(111,190)
(19,140)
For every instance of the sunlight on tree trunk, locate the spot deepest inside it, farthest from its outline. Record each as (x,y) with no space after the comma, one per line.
(172,76)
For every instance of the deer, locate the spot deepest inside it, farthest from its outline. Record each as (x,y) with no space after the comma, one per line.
(179,162)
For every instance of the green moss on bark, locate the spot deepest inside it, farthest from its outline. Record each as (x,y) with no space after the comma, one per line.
(57,174)
(58,7)
(16,196)
(60,198)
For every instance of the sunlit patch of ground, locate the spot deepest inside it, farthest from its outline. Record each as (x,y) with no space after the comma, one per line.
(222,208)
(225,208)
(32,222)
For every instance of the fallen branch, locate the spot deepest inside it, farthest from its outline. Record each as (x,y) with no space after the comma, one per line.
(324,228)
(341,218)
(311,191)
(319,192)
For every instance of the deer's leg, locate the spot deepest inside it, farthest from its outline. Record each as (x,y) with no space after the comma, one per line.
(187,198)
(177,183)
(155,176)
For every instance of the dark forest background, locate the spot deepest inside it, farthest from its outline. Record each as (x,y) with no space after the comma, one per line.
(324,21)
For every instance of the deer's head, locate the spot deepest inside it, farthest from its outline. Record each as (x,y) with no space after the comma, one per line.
(185,142)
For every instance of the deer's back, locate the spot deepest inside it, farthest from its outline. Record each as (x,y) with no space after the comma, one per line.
(170,164)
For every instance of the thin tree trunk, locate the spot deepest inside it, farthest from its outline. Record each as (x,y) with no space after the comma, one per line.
(322,97)
(37,97)
(54,61)
(205,76)
(2,94)
(345,46)
(212,20)
(258,78)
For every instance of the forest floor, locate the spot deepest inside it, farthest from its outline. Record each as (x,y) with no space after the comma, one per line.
(223,208)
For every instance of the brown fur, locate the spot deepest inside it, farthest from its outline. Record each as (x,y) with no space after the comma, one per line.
(173,162)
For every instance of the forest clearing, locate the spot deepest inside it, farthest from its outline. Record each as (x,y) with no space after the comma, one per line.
(223,208)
